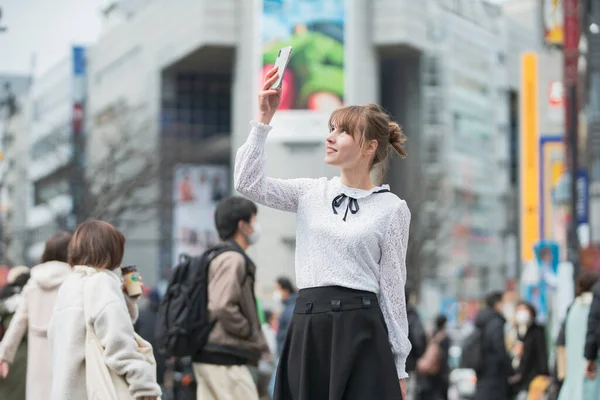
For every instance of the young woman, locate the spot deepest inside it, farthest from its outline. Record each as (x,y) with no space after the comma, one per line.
(33,315)
(13,386)
(92,298)
(348,337)
(531,352)
(576,384)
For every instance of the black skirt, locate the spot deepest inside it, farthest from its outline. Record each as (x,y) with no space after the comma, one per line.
(337,348)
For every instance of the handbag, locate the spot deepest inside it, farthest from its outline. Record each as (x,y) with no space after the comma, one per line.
(102,383)
(430,363)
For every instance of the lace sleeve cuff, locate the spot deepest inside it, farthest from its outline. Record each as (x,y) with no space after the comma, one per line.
(259,133)
(401,366)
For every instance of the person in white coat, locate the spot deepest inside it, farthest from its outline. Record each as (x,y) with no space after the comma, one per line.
(95,253)
(32,316)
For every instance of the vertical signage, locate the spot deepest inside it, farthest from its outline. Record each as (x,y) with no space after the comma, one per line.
(529,157)
(582,205)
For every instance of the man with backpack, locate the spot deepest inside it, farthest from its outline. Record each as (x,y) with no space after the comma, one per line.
(494,367)
(210,309)
(236,339)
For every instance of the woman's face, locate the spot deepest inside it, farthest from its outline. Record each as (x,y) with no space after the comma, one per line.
(341,149)
(523,315)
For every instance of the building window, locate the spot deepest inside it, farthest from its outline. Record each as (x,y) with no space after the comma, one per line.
(51,186)
(57,138)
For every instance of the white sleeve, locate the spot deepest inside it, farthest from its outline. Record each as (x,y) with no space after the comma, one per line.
(113,327)
(391,285)
(250,179)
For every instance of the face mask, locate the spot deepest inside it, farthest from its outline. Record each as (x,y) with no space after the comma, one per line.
(255,235)
(523,317)
(277,296)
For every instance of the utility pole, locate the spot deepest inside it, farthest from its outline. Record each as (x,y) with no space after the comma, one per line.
(571,76)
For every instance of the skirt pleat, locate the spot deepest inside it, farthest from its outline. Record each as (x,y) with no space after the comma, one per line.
(337,348)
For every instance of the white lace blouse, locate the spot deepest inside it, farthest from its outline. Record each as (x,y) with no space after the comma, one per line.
(344,237)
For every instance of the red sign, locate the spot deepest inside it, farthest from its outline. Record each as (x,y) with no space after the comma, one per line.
(556,94)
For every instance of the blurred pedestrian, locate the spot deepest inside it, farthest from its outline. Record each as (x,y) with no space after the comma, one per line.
(530,351)
(13,383)
(348,337)
(492,378)
(435,387)
(145,326)
(236,340)
(285,293)
(91,333)
(33,315)
(592,337)
(418,340)
(576,385)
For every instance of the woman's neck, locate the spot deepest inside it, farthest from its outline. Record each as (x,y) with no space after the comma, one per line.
(357,180)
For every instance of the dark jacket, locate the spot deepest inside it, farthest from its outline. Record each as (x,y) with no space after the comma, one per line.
(534,361)
(592,337)
(417,338)
(492,380)
(436,387)
(284,320)
(145,326)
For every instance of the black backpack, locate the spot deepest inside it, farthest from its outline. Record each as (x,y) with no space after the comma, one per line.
(183,323)
(472,351)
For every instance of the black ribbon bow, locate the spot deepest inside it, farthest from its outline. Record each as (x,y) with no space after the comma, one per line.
(352,205)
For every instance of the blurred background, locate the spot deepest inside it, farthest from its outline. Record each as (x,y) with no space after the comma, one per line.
(131,111)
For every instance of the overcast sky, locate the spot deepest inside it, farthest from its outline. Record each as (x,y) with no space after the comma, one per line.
(46,28)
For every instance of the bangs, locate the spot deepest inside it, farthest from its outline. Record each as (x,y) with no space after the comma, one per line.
(348,119)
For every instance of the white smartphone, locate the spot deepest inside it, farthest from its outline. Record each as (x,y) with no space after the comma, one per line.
(282,62)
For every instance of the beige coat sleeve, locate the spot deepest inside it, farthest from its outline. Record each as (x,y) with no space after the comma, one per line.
(225,293)
(16,330)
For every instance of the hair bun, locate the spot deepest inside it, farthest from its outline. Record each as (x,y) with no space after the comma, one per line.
(397,138)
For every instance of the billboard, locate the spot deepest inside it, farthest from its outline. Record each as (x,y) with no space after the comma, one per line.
(314,79)
(529,157)
(553,214)
(553,22)
(196,191)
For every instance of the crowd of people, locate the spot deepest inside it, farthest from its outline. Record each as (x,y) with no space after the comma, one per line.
(71,327)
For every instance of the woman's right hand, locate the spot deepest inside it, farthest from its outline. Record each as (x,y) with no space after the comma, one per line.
(268,99)
(4,368)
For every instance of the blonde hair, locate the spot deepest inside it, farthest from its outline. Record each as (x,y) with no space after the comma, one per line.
(371,122)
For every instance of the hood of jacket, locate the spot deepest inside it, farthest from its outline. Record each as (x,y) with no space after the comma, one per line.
(51,274)
(486,315)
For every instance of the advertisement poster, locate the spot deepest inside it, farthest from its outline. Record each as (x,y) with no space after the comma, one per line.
(553,215)
(552,21)
(314,79)
(197,190)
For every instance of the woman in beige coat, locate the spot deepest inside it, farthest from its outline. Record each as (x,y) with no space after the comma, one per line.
(33,315)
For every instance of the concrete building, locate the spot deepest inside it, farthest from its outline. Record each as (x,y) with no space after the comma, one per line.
(443,69)
(13,167)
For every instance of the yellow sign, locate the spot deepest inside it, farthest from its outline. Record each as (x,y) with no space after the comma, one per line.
(529,157)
